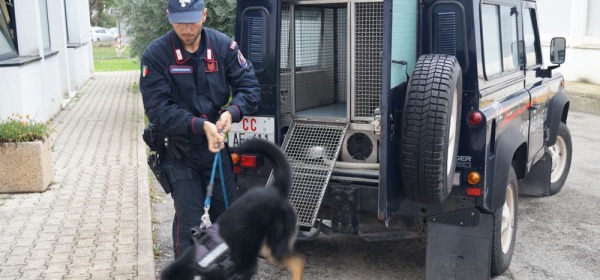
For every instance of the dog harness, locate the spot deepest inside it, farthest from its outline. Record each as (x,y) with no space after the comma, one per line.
(212,254)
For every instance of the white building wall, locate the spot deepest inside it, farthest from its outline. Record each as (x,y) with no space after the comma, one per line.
(58,40)
(33,97)
(568,18)
(38,86)
(9,87)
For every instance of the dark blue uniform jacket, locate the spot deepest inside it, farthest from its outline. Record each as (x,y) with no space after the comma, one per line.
(181,90)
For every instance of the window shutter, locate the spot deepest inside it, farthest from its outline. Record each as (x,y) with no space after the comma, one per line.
(593,18)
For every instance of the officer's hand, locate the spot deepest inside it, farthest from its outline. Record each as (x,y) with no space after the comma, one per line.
(177,147)
(213,136)
(224,123)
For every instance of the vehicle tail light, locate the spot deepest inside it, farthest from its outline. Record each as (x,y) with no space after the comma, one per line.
(236,169)
(475,118)
(235,158)
(473,178)
(473,191)
(248,161)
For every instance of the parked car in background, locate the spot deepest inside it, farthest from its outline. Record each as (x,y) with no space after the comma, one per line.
(102,34)
(114,31)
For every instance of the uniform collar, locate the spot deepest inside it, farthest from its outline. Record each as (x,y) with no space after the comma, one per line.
(180,55)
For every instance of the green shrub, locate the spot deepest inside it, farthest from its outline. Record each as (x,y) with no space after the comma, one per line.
(19,128)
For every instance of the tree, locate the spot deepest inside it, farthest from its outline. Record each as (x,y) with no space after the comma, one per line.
(97,15)
(147,20)
(221,16)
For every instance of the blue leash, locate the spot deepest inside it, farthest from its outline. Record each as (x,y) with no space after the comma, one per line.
(211,183)
(217,161)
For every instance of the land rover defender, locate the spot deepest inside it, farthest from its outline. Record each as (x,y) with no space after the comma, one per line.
(408,119)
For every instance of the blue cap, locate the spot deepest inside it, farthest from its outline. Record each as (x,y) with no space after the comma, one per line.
(185,11)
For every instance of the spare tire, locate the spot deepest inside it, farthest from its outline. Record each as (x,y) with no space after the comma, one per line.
(430,128)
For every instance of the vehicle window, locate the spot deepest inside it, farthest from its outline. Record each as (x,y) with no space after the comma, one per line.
(404,39)
(529,37)
(500,41)
(491,39)
(508,25)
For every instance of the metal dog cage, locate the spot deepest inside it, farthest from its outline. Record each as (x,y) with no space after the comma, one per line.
(330,82)
(331,59)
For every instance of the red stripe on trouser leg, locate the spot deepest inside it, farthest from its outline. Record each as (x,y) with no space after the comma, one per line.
(178,228)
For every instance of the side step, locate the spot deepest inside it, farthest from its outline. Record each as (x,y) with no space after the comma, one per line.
(312,149)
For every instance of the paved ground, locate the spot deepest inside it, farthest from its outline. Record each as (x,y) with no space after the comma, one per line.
(584,98)
(94,221)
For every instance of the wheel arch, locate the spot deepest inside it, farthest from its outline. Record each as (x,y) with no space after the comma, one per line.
(558,110)
(511,150)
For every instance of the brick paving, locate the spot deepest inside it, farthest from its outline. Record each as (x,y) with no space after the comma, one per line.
(94,221)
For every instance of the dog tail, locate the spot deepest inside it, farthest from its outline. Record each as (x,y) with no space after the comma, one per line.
(282,171)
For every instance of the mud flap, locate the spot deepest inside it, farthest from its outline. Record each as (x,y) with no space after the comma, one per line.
(344,208)
(537,181)
(459,245)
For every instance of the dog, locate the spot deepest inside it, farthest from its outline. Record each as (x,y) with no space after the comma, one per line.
(260,221)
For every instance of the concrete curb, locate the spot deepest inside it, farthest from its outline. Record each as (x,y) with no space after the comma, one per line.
(146,267)
(584,97)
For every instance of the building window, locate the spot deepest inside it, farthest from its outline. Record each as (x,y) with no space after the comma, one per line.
(500,43)
(45,24)
(593,18)
(8,38)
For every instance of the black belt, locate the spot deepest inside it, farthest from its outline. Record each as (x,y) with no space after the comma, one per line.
(185,173)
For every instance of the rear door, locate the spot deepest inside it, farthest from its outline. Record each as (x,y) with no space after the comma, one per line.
(257,34)
(399,58)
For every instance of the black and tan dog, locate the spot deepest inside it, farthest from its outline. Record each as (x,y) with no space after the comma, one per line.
(262,220)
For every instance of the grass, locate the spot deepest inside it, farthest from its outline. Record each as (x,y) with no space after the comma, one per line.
(106,59)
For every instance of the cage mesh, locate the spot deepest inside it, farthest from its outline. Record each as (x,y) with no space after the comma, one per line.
(312,149)
(342,55)
(367,58)
(314,57)
(285,85)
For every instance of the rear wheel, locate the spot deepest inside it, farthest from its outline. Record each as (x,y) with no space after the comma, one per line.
(430,128)
(505,227)
(561,153)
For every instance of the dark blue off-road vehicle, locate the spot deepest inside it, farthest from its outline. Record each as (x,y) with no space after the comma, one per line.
(409,119)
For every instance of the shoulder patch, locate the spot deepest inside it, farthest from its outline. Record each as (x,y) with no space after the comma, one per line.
(232,45)
(241,59)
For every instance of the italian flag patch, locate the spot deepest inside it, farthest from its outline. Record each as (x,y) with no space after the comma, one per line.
(144,70)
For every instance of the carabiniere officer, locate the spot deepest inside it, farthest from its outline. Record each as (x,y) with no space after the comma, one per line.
(187,76)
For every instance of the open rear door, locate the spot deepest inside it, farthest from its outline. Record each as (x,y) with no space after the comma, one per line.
(257,33)
(399,58)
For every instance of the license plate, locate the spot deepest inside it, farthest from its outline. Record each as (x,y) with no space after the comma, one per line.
(251,127)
